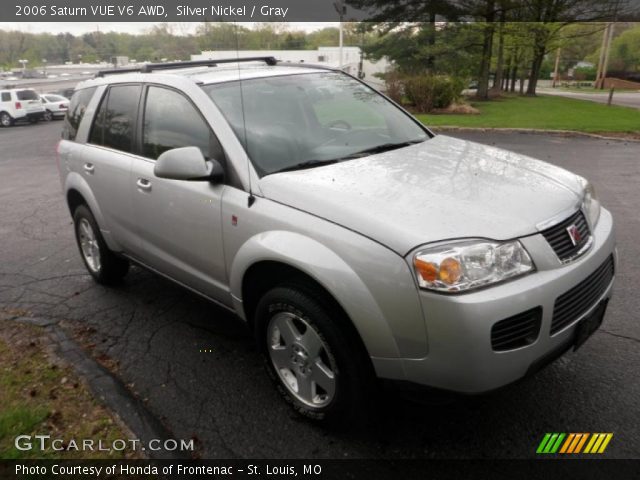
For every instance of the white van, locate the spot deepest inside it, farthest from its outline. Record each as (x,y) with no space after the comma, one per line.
(20,104)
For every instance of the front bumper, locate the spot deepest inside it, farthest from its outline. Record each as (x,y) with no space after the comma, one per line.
(460,356)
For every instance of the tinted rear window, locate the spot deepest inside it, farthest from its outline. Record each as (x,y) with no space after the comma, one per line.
(6,97)
(116,118)
(27,95)
(77,107)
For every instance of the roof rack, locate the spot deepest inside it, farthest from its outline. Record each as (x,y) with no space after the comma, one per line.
(102,73)
(149,67)
(315,66)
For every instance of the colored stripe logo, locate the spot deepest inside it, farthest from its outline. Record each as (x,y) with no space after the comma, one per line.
(569,443)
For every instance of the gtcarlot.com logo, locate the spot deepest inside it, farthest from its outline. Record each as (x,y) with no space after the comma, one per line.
(574,443)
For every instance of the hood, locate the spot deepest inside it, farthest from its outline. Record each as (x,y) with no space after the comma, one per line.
(444,188)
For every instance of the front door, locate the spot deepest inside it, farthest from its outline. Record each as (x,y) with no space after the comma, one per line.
(178,222)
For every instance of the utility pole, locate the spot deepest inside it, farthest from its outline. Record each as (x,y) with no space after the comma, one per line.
(605,64)
(601,57)
(555,70)
(342,10)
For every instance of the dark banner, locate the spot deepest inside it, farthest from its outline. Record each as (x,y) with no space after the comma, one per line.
(312,10)
(322,469)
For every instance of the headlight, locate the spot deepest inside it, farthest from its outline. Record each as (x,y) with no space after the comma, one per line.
(590,203)
(463,266)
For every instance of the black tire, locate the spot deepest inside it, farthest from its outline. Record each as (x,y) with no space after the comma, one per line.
(110,268)
(5,119)
(346,356)
(34,120)
(48,116)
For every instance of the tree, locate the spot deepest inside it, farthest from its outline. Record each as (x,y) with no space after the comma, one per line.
(547,20)
(389,17)
(455,51)
(625,51)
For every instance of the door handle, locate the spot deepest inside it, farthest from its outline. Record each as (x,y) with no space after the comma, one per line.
(89,167)
(143,184)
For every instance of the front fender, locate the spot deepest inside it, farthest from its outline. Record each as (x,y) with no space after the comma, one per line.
(330,271)
(75,181)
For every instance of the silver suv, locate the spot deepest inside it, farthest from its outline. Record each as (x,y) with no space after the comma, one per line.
(354,242)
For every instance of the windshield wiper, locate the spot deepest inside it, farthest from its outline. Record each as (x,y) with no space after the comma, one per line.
(385,147)
(305,165)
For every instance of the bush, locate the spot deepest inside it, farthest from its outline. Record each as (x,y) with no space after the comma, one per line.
(393,85)
(584,73)
(426,92)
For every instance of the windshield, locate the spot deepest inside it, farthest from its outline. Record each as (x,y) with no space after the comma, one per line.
(306,120)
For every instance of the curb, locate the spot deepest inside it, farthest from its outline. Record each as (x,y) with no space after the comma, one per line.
(534,131)
(109,390)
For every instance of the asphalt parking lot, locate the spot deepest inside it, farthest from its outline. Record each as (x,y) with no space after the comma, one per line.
(151,333)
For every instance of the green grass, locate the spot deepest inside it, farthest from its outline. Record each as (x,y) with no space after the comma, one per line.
(38,397)
(19,420)
(543,112)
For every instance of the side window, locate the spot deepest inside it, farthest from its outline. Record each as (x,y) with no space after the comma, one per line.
(6,96)
(115,120)
(171,121)
(77,106)
(97,129)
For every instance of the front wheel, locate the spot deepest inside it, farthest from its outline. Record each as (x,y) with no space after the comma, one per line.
(48,116)
(103,265)
(316,364)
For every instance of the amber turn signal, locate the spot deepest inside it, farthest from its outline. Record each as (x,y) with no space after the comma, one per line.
(427,270)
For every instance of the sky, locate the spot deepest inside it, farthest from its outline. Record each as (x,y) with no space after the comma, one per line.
(185,28)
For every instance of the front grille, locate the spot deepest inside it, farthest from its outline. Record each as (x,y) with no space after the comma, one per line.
(571,305)
(560,240)
(517,331)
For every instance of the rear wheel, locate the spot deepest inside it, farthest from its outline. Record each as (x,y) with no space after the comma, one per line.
(314,361)
(5,119)
(103,265)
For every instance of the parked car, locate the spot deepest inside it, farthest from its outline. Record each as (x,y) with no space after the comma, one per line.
(358,246)
(65,92)
(56,106)
(20,104)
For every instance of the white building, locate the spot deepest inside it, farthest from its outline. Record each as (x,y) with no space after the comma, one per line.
(327,56)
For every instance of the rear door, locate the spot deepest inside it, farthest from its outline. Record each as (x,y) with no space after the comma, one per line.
(179,222)
(106,160)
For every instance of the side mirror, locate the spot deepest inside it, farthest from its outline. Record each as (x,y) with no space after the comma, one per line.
(187,163)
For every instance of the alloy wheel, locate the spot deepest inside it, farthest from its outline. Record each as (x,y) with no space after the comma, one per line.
(302,359)
(89,245)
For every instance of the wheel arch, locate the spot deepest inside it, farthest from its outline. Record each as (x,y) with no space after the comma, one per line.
(78,192)
(272,258)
